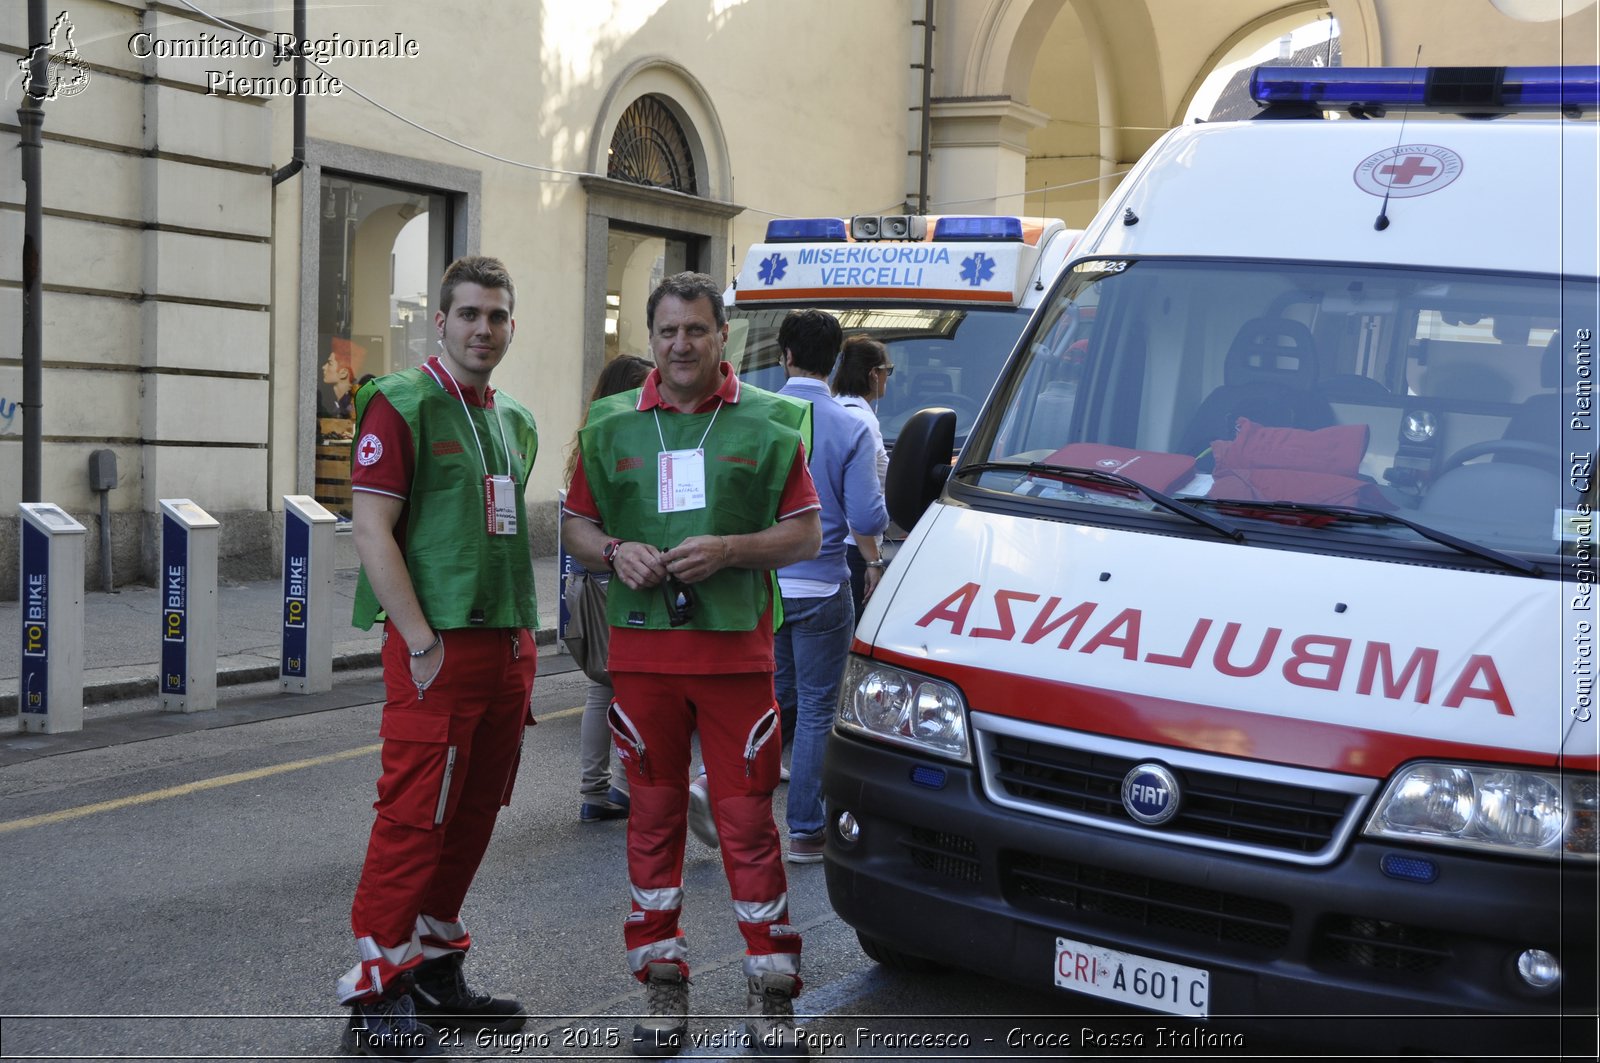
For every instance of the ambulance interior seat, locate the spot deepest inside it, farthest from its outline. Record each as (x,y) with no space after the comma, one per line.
(931,382)
(1269,376)
(1538,417)
(1522,482)
(934,387)
(1048,426)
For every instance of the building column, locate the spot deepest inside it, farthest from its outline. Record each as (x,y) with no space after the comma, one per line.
(980,154)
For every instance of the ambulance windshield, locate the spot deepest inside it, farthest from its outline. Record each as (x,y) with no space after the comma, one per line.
(1272,395)
(942,356)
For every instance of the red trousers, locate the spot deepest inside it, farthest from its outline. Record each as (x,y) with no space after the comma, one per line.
(450,756)
(652,721)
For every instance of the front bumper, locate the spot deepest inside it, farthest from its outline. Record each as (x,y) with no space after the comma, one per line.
(1342,951)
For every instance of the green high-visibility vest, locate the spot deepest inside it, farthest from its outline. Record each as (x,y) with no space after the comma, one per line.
(749,449)
(463,576)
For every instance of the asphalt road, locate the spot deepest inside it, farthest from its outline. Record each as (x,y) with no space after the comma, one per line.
(187,897)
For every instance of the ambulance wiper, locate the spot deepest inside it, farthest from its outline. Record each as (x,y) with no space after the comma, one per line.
(1379,516)
(1166,502)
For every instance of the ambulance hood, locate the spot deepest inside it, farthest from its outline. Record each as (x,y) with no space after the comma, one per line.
(1284,656)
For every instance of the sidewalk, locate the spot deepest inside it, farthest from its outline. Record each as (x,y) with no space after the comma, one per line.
(122,636)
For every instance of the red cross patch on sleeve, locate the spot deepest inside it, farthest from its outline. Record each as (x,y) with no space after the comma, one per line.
(369,450)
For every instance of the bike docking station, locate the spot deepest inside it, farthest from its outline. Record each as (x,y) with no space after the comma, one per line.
(307,663)
(50,686)
(188,607)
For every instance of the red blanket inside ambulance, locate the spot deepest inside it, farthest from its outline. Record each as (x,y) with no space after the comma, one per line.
(1321,466)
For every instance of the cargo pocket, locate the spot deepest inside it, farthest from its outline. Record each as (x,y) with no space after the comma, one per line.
(762,733)
(630,744)
(511,777)
(418,767)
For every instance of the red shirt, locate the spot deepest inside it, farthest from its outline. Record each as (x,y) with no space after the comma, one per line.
(384,455)
(681,651)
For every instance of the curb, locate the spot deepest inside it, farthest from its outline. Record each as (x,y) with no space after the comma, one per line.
(116,688)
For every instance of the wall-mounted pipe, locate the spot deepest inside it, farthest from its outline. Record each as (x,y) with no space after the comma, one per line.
(30,116)
(923,151)
(295,164)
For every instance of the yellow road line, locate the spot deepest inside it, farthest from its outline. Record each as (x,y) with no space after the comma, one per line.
(178,791)
(66,814)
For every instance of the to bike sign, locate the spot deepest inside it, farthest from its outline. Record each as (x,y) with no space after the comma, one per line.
(35,681)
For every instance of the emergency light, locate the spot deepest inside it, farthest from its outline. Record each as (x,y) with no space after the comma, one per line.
(800,230)
(977,228)
(1455,89)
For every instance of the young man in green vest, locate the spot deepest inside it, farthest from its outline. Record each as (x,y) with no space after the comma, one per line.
(692,490)
(440,462)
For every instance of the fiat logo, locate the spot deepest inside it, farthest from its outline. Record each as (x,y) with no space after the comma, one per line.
(1150,794)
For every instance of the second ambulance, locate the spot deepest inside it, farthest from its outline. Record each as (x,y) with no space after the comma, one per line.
(947,295)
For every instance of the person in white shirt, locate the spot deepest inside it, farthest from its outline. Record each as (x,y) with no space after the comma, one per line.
(861,379)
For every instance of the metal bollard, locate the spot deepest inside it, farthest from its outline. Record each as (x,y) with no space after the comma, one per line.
(50,687)
(188,606)
(307,663)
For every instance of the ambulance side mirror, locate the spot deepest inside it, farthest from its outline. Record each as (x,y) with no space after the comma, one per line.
(920,464)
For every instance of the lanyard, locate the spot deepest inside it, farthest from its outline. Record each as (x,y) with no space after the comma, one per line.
(468,414)
(698,446)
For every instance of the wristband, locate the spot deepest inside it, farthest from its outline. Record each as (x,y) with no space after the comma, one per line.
(437,638)
(880,563)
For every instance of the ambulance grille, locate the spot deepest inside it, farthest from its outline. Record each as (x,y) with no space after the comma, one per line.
(1379,945)
(1242,806)
(1036,881)
(947,855)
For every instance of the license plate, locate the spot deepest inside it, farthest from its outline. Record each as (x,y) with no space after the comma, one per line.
(1131,979)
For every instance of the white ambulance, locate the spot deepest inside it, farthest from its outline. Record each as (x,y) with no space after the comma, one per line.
(948,295)
(1242,665)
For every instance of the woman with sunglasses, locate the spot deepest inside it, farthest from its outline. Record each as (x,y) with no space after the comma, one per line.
(860,381)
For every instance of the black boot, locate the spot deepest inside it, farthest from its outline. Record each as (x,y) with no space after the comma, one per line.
(387,1028)
(445,1002)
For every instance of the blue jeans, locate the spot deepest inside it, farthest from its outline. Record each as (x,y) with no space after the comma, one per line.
(810,650)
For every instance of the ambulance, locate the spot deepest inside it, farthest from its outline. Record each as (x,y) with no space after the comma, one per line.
(948,295)
(1238,672)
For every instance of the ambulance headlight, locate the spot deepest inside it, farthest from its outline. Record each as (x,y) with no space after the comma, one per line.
(904,708)
(1501,810)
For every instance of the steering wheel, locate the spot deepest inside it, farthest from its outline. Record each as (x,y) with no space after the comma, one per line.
(1525,448)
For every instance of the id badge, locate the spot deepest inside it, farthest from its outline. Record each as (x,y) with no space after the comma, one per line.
(681,480)
(500,504)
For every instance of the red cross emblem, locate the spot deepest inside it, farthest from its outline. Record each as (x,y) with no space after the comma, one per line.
(1411,167)
(369,450)
(1408,170)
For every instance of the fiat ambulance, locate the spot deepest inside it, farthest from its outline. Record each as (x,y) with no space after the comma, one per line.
(948,296)
(1242,664)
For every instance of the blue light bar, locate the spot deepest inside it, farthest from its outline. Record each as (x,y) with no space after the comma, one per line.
(1457,89)
(795,230)
(978,228)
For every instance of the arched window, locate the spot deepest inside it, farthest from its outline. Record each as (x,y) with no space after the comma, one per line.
(649,148)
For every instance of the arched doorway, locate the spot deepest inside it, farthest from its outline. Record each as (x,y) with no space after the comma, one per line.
(660,207)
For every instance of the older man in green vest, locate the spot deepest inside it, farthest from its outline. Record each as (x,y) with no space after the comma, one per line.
(693,489)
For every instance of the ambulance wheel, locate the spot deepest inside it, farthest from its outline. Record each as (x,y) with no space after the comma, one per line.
(894,959)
